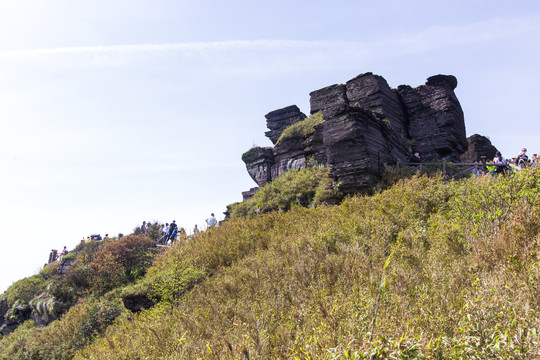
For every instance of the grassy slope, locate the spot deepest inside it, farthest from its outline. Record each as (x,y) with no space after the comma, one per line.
(425,269)
(462,280)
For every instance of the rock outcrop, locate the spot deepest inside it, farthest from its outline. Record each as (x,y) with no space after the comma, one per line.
(479,149)
(435,120)
(278,120)
(366,126)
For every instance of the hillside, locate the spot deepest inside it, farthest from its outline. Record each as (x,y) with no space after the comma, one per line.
(427,268)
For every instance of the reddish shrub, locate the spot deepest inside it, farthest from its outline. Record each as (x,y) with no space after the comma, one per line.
(120,262)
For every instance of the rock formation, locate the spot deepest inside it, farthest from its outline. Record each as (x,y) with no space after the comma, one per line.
(479,149)
(435,119)
(366,126)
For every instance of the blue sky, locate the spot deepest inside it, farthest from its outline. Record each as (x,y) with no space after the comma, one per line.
(112,113)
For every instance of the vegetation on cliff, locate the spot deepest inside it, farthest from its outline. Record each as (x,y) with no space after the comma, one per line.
(425,269)
(309,187)
(303,128)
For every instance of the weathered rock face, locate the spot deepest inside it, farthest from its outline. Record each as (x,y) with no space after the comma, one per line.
(4,307)
(357,146)
(259,163)
(479,146)
(328,97)
(288,155)
(366,125)
(278,120)
(435,119)
(372,92)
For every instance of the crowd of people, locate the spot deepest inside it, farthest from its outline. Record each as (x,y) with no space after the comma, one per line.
(165,234)
(54,255)
(170,232)
(496,165)
(500,165)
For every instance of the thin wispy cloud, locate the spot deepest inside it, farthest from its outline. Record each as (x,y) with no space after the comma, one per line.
(276,55)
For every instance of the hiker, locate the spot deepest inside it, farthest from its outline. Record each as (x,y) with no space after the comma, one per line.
(415,158)
(166,231)
(499,160)
(143,228)
(171,236)
(195,230)
(182,233)
(211,221)
(522,158)
(64,251)
(173,228)
(477,171)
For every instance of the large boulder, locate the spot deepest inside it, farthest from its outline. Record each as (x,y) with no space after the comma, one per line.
(259,162)
(435,119)
(278,120)
(480,148)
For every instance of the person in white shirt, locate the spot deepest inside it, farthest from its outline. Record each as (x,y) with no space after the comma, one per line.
(211,221)
(195,229)
(498,159)
(166,229)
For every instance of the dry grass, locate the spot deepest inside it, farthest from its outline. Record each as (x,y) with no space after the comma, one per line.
(452,268)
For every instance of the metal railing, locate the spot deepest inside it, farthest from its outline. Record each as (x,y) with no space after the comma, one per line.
(466,167)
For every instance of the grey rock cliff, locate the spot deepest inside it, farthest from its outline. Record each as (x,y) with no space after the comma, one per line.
(367,125)
(435,119)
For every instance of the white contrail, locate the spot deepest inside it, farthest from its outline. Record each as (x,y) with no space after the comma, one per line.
(269,54)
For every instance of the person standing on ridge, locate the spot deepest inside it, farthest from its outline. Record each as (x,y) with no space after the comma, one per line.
(143,228)
(522,158)
(499,160)
(195,230)
(166,231)
(172,229)
(211,221)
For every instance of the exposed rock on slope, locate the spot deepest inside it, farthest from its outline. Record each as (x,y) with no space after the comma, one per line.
(366,125)
(478,146)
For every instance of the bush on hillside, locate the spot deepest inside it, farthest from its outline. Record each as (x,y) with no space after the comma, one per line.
(61,339)
(153,230)
(308,187)
(120,262)
(24,290)
(104,265)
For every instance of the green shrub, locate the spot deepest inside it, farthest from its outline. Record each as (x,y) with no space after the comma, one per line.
(61,339)
(24,290)
(308,187)
(303,128)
